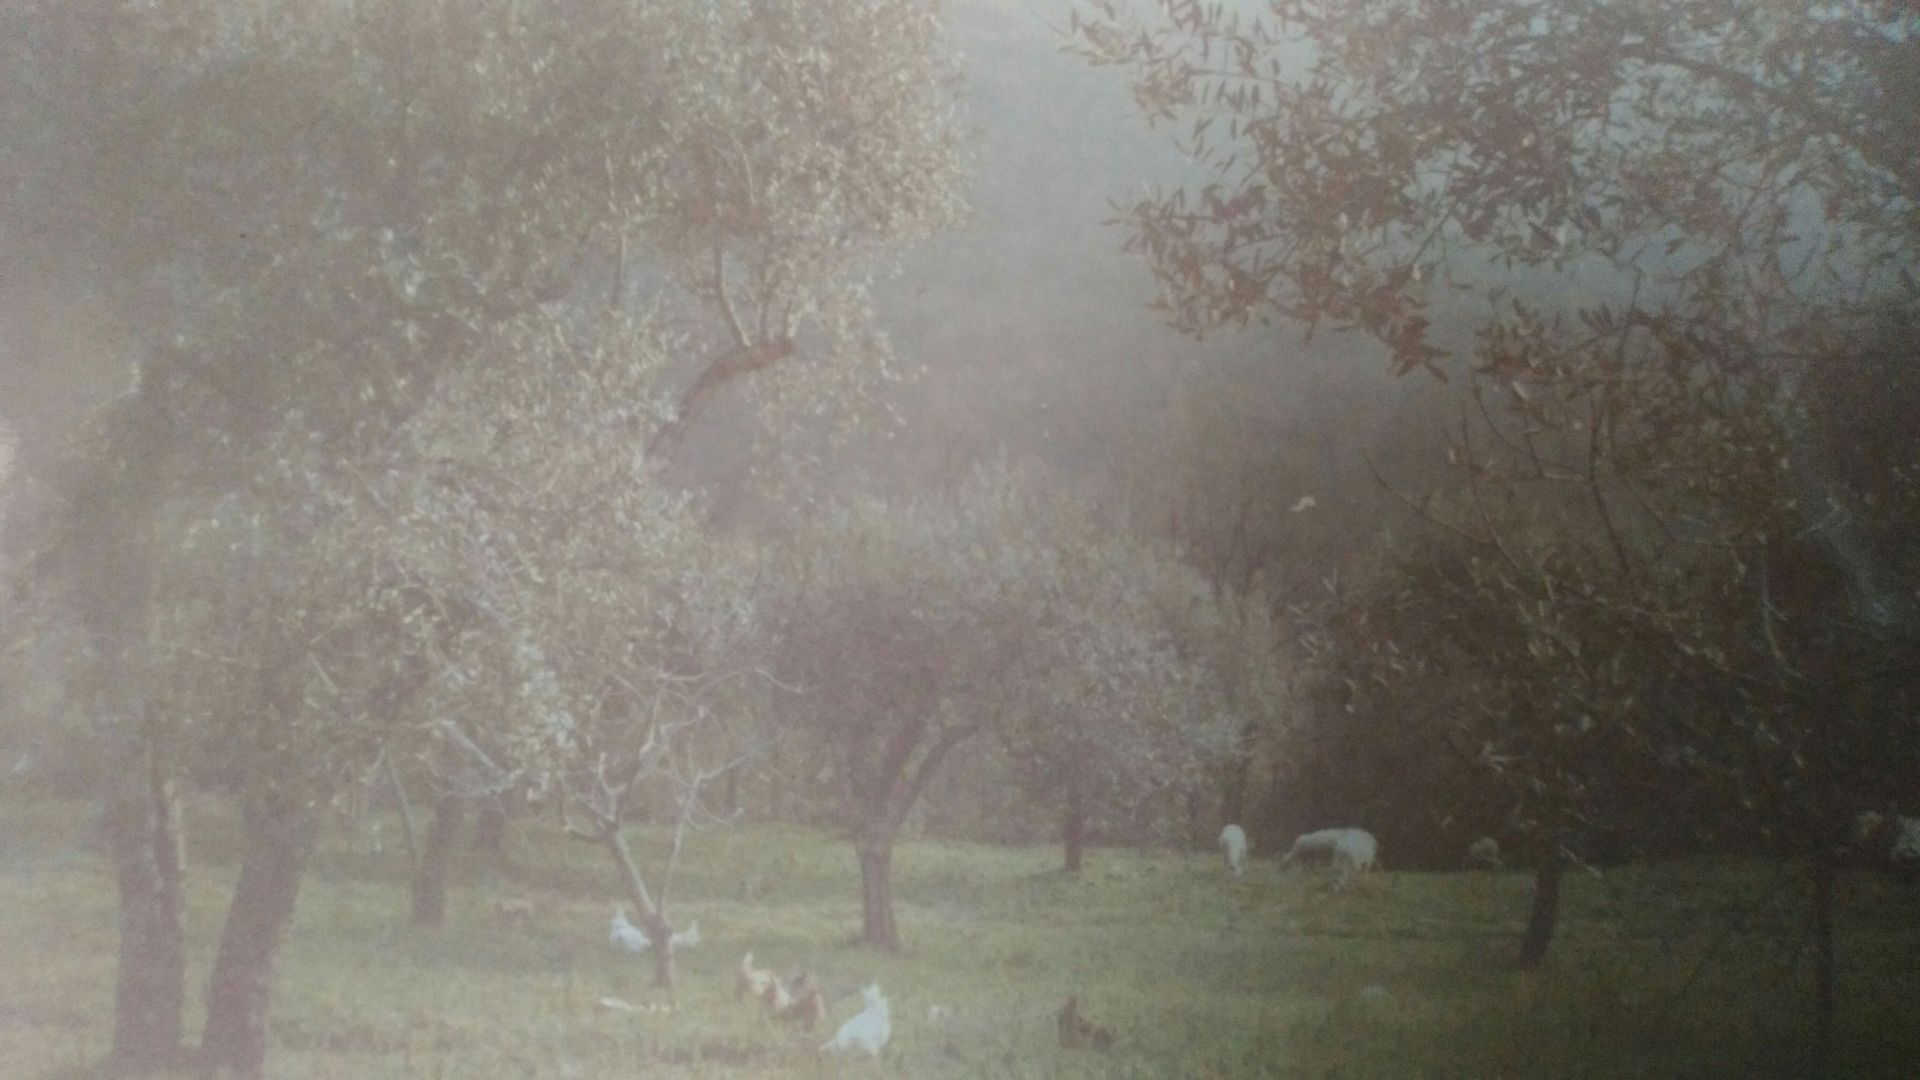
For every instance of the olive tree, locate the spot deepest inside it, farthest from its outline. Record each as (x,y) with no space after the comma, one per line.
(596,640)
(276,671)
(1645,233)
(299,218)
(1149,679)
(900,632)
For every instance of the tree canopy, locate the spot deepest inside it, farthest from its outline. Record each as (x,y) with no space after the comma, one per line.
(1657,245)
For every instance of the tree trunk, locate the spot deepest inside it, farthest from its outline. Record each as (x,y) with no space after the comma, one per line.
(409,829)
(1823,964)
(1546,907)
(877,927)
(1233,793)
(490,832)
(1272,808)
(652,921)
(430,876)
(279,839)
(142,833)
(661,935)
(173,814)
(1073,825)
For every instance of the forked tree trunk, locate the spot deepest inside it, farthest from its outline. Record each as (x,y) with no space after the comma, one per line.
(652,922)
(436,859)
(877,928)
(1546,907)
(142,834)
(1824,967)
(490,831)
(1073,824)
(279,839)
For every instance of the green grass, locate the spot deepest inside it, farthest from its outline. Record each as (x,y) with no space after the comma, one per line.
(1200,975)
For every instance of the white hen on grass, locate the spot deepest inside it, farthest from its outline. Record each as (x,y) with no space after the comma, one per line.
(869,1029)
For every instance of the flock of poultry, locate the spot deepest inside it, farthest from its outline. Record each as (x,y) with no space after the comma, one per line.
(800,999)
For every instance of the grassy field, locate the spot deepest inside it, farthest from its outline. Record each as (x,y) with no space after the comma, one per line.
(1200,975)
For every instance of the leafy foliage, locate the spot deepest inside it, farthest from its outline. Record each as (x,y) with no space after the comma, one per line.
(1644,232)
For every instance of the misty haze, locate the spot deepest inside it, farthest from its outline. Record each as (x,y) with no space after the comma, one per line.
(959,538)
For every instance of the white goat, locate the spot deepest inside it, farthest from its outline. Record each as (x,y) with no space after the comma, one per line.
(1233,839)
(1484,854)
(625,935)
(686,939)
(869,1029)
(1350,850)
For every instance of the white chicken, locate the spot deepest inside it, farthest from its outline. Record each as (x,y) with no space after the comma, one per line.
(625,935)
(869,1029)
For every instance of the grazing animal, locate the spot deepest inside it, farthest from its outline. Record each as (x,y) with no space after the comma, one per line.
(625,935)
(806,1003)
(1351,851)
(1483,854)
(750,981)
(1077,1031)
(869,1029)
(1233,840)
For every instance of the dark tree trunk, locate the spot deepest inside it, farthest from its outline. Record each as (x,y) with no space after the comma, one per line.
(279,839)
(490,831)
(1546,907)
(1823,964)
(142,834)
(1272,809)
(1197,813)
(652,922)
(1073,824)
(1233,793)
(661,935)
(877,927)
(436,859)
